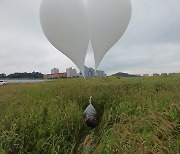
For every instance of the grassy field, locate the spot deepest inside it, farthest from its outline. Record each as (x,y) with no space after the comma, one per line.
(136,115)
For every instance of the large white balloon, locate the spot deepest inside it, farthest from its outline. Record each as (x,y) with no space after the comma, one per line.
(65,24)
(108,21)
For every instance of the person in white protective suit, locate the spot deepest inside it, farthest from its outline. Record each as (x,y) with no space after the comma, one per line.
(90,115)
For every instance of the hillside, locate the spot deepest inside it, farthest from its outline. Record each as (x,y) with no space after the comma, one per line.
(136,115)
(121,74)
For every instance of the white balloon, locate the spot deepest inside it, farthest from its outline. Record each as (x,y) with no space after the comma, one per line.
(65,24)
(108,21)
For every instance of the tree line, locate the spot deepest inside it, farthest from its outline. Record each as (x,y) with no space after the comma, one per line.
(33,75)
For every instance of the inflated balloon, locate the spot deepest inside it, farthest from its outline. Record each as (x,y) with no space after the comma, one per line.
(108,21)
(68,27)
(65,24)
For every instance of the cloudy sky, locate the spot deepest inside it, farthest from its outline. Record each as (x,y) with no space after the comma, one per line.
(150,44)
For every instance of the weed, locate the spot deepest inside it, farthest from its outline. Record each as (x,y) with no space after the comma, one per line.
(136,115)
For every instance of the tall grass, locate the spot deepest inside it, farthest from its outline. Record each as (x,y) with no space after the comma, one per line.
(136,115)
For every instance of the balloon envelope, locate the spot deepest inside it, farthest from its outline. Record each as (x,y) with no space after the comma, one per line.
(65,24)
(108,21)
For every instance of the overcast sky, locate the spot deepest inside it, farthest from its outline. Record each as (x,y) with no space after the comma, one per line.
(150,44)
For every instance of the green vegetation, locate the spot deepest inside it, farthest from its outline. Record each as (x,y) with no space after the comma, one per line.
(137,115)
(25,75)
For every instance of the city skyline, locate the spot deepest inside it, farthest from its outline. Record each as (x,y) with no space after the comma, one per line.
(56,71)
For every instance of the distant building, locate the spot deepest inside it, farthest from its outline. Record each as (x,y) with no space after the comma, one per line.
(145,75)
(71,72)
(60,75)
(48,76)
(68,71)
(74,73)
(54,70)
(55,76)
(90,72)
(164,74)
(100,73)
(86,70)
(155,74)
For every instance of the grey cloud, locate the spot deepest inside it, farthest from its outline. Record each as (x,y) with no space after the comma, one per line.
(153,22)
(144,59)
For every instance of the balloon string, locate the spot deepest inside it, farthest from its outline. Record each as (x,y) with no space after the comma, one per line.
(90,99)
